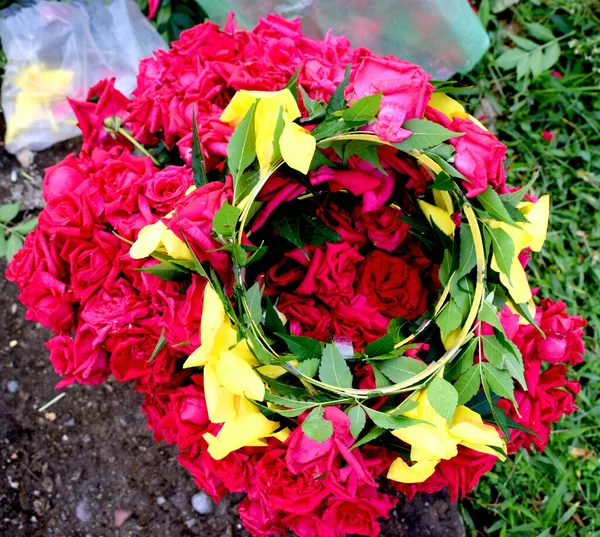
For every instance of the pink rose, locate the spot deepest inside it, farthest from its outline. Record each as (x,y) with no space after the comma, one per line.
(384,227)
(167,186)
(405,88)
(62,178)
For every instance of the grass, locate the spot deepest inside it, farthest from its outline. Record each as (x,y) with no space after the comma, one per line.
(558,492)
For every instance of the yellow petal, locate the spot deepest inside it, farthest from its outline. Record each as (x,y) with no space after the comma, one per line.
(272,371)
(443,200)
(537,213)
(175,247)
(148,241)
(440,217)
(451,339)
(245,430)
(469,427)
(238,377)
(435,440)
(446,105)
(220,402)
(427,162)
(213,317)
(417,473)
(518,286)
(237,108)
(297,146)
(265,122)
(281,435)
(283,98)
(196,359)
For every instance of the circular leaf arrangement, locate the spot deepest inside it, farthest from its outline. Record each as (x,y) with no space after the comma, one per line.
(308,260)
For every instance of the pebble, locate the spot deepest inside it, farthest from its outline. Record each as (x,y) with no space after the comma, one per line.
(202,503)
(13,343)
(190,523)
(12,386)
(70,423)
(65,438)
(161,500)
(121,515)
(82,511)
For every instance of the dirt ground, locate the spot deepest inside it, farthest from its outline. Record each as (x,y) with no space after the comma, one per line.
(88,459)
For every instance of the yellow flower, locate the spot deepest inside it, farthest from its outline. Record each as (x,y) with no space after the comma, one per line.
(296,144)
(439,215)
(531,234)
(435,440)
(451,108)
(230,380)
(39,89)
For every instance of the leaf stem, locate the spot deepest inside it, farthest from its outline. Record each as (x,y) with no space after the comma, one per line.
(137,145)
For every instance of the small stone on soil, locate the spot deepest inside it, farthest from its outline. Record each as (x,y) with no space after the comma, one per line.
(121,515)
(202,503)
(82,511)
(161,500)
(12,386)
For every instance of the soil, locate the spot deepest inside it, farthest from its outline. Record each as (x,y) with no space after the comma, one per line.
(89,459)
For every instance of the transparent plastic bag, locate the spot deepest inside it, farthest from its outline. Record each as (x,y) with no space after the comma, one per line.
(442,36)
(57,49)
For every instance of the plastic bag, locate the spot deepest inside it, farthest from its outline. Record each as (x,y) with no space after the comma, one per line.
(57,49)
(442,36)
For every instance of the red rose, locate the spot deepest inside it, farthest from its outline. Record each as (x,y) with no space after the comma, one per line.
(121,183)
(330,273)
(360,321)
(564,334)
(392,286)
(384,227)
(61,353)
(167,186)
(344,223)
(132,348)
(310,526)
(48,302)
(89,363)
(277,190)
(406,91)
(91,115)
(194,220)
(62,178)
(275,485)
(259,519)
(203,477)
(94,264)
(360,515)
(307,317)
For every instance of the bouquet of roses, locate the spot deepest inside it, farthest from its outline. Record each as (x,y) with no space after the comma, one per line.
(307,259)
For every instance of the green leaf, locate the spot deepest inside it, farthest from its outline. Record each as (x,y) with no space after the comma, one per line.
(380,379)
(484,13)
(309,367)
(253,300)
(289,401)
(319,160)
(463,363)
(523,67)
(338,101)
(468,384)
(387,421)
(467,257)
(2,243)
(536,62)
(499,381)
(247,181)
(364,150)
(13,245)
(492,203)
(449,318)
(523,310)
(374,433)
(315,232)
(489,315)
(358,420)
(510,58)
(425,135)
(197,158)
(513,360)
(380,346)
(524,43)
(494,351)
(25,227)
(165,271)
(302,347)
(402,368)
(292,85)
(504,249)
(334,370)
(551,56)
(442,182)
(289,228)
(226,219)
(241,150)
(9,211)
(315,109)
(514,198)
(443,397)
(445,165)
(159,345)
(272,322)
(332,126)
(316,427)
(365,109)
(279,126)
(537,30)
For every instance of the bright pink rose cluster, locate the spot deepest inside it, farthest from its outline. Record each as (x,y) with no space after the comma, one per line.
(77,278)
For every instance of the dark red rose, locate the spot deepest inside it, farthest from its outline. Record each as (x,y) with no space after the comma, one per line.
(277,190)
(359,321)
(307,317)
(392,286)
(203,477)
(259,519)
(330,273)
(344,223)
(384,227)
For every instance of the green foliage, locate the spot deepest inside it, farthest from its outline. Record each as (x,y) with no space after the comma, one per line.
(12,236)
